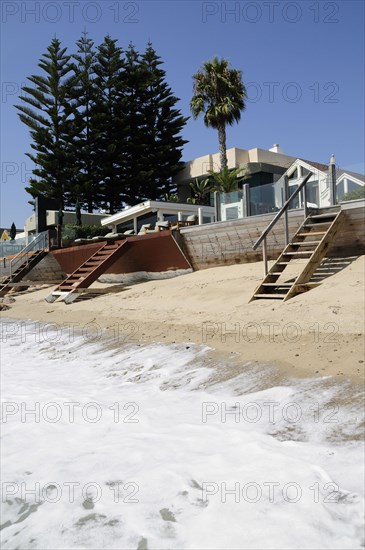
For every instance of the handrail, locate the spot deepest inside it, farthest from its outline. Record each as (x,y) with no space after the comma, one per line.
(41,239)
(282,210)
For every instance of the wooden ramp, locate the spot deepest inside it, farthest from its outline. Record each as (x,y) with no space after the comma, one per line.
(25,266)
(76,283)
(310,243)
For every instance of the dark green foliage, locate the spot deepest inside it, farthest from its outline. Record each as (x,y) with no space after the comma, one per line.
(85,187)
(353,195)
(171,197)
(45,113)
(220,95)
(104,126)
(201,190)
(109,117)
(153,148)
(162,124)
(227,180)
(78,213)
(12,231)
(71,232)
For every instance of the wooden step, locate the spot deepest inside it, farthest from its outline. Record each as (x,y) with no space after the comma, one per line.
(323,216)
(311,233)
(278,284)
(273,296)
(305,243)
(93,262)
(88,272)
(311,252)
(316,224)
(298,253)
(310,268)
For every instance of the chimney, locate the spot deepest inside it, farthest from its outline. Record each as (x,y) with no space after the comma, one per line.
(332,180)
(276,148)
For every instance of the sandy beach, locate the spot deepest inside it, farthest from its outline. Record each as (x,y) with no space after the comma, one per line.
(318,333)
(190,430)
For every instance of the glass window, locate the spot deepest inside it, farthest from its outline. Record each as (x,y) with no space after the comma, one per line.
(340,189)
(232,213)
(295,202)
(262,199)
(352,186)
(312,192)
(294,175)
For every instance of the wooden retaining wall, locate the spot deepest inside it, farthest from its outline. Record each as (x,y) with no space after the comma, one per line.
(227,243)
(153,253)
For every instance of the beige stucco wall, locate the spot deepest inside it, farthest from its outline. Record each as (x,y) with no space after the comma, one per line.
(68,218)
(269,157)
(235,157)
(200,166)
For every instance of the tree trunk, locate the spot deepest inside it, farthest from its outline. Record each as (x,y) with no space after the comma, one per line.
(222,146)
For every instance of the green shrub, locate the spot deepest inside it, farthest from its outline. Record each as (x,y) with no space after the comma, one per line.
(353,195)
(72,232)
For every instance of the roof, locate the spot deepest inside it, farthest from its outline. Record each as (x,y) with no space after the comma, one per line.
(355,175)
(153,206)
(318,165)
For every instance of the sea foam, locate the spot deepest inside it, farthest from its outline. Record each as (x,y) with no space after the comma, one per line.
(161,447)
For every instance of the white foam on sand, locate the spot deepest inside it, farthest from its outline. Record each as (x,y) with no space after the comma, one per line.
(139,276)
(274,468)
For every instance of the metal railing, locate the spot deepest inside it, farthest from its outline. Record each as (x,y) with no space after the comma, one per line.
(41,242)
(283,211)
(10,248)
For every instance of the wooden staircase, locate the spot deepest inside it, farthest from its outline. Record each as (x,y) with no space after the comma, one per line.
(24,267)
(310,243)
(88,272)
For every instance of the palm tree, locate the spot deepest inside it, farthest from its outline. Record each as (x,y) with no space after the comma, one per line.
(220,94)
(227,180)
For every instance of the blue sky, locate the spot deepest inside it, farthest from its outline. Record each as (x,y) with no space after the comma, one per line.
(302,62)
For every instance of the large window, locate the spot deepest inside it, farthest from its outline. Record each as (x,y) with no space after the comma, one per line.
(312,192)
(262,199)
(340,189)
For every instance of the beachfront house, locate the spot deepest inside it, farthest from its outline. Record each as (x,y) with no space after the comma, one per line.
(264,189)
(150,212)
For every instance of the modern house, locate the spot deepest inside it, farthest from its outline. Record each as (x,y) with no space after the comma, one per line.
(149,212)
(263,166)
(266,172)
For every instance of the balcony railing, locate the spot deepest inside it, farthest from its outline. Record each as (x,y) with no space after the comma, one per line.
(41,242)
